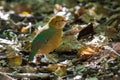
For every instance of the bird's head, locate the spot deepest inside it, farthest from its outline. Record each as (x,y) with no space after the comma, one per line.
(57,22)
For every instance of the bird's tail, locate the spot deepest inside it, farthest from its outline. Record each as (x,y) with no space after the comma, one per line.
(31,56)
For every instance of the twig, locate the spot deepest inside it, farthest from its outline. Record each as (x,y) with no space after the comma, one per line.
(4,76)
(4,41)
(30,75)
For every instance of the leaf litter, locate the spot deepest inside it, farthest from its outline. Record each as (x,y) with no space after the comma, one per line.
(89,50)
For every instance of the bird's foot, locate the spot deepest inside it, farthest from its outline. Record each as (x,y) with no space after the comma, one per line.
(48,58)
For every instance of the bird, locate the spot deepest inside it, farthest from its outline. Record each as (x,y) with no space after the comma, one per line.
(49,39)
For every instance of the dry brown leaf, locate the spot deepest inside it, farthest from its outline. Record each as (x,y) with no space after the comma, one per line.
(111,32)
(52,67)
(24,29)
(116,47)
(15,61)
(21,7)
(87,50)
(59,69)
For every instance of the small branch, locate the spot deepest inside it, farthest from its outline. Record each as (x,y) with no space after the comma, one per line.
(30,75)
(4,41)
(111,50)
(4,76)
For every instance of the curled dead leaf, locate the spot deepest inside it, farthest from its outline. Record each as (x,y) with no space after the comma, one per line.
(86,50)
(25,29)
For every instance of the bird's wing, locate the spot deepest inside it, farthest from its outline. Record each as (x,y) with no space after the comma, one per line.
(42,38)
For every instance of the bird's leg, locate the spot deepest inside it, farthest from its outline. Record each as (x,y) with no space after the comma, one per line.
(49,58)
(44,58)
(37,58)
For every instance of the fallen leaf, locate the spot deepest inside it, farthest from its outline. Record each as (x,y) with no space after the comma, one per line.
(21,7)
(52,67)
(86,50)
(111,32)
(25,29)
(15,61)
(116,47)
(25,14)
(59,69)
(86,31)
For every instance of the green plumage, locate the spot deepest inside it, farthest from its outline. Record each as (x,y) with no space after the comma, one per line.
(40,40)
